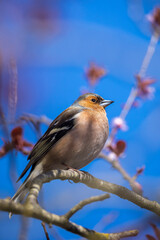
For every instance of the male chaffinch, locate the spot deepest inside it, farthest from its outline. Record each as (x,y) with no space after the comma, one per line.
(72,140)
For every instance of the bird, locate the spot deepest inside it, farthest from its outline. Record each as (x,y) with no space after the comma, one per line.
(72,140)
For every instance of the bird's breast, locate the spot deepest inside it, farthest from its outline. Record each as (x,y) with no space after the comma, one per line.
(83,143)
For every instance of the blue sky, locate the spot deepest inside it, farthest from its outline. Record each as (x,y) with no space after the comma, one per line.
(51,62)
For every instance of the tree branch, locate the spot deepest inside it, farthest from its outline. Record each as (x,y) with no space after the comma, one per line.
(83,203)
(35,211)
(105,186)
(31,209)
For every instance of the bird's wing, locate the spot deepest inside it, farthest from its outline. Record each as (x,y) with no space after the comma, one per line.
(57,129)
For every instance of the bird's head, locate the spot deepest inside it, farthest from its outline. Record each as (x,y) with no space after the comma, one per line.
(94,101)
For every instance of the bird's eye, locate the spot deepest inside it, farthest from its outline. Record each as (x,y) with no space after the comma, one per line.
(93,100)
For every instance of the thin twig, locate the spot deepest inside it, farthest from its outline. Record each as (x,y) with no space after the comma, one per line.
(133,94)
(53,231)
(83,203)
(4,124)
(149,54)
(125,110)
(35,119)
(127,107)
(13,84)
(24,228)
(105,221)
(129,103)
(12,161)
(116,165)
(34,122)
(45,230)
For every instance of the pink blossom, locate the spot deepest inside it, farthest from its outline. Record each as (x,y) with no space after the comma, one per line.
(94,73)
(155,20)
(145,91)
(118,148)
(17,142)
(112,156)
(119,123)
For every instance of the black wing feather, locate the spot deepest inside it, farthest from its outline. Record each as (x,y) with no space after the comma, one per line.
(62,125)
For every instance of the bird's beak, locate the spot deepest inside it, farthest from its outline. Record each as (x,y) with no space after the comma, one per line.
(105,103)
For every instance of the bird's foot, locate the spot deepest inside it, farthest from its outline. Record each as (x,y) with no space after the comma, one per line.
(75,170)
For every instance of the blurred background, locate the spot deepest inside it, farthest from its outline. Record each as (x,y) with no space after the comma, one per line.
(46,48)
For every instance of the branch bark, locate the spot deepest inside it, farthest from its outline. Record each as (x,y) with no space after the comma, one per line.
(31,209)
(96,183)
(83,203)
(35,211)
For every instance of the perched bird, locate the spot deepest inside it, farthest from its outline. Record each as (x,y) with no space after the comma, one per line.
(72,140)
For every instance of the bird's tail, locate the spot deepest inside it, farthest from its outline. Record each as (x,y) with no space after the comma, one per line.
(24,188)
(21,193)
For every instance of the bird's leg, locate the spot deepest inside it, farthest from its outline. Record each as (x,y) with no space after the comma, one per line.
(74,169)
